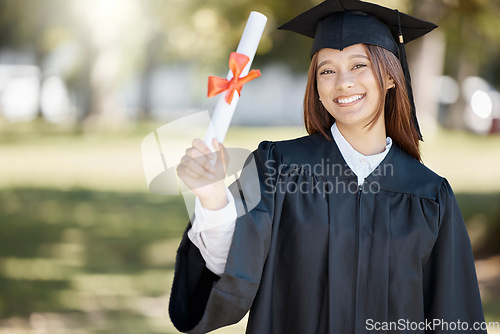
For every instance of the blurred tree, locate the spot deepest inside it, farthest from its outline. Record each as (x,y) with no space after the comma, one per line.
(473,33)
(472,36)
(108,34)
(207,31)
(35,26)
(151,60)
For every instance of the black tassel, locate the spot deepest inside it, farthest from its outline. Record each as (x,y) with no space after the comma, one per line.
(406,71)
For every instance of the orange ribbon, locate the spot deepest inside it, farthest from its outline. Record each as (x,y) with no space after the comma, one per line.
(237,63)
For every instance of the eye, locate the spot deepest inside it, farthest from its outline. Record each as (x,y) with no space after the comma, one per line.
(360,65)
(326,72)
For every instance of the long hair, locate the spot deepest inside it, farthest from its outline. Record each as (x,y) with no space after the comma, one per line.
(394,102)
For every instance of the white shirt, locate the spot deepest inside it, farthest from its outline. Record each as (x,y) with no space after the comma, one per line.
(212,230)
(361,165)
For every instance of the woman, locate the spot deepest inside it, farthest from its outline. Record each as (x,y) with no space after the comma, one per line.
(352,233)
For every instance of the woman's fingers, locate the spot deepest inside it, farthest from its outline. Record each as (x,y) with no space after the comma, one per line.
(194,153)
(197,167)
(203,150)
(200,145)
(198,163)
(200,154)
(222,153)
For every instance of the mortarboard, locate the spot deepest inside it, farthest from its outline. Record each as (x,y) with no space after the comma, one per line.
(338,24)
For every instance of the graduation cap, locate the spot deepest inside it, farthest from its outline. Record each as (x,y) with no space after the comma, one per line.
(338,24)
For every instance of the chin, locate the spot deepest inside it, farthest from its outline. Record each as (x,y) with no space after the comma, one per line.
(357,122)
(352,119)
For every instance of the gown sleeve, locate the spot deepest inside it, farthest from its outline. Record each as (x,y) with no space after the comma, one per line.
(451,293)
(200,301)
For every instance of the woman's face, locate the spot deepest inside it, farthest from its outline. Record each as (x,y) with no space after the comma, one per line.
(347,85)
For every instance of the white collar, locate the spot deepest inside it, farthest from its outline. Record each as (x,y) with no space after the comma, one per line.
(361,165)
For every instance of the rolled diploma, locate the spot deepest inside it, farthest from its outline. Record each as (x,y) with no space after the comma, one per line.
(223,112)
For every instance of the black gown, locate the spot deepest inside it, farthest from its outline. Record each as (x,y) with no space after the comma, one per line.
(319,254)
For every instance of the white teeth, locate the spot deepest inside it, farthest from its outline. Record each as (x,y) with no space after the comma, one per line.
(350,99)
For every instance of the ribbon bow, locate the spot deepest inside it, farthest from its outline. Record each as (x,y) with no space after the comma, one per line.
(237,63)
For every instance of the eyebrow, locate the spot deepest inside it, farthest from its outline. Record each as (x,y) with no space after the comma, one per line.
(359,56)
(351,57)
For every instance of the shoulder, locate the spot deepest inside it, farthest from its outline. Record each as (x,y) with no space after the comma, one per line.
(304,150)
(300,143)
(403,173)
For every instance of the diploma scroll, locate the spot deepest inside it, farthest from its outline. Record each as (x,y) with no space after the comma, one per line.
(223,112)
(162,150)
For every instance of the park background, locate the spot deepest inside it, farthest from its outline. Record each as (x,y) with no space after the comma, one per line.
(84,246)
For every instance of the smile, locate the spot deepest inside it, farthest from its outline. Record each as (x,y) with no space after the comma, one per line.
(349,100)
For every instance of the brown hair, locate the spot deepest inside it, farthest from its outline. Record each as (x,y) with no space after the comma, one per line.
(395,104)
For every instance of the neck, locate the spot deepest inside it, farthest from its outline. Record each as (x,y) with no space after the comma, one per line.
(365,140)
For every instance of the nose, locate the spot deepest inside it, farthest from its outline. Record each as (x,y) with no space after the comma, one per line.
(345,80)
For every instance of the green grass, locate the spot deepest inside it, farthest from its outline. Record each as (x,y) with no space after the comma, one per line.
(471,163)
(86,251)
(83,244)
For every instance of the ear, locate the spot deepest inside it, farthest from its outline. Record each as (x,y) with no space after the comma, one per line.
(389,83)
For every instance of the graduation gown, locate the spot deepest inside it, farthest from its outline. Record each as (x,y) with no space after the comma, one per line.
(319,254)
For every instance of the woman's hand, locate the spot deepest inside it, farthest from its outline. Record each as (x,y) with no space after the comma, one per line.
(203,177)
